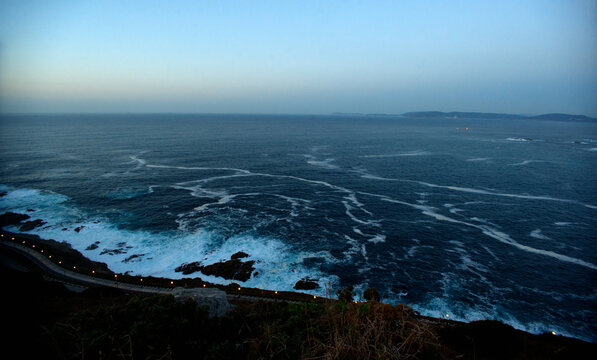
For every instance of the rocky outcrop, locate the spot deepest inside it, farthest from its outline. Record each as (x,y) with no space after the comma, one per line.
(214,299)
(10,218)
(93,246)
(307,284)
(233,269)
(239,255)
(30,225)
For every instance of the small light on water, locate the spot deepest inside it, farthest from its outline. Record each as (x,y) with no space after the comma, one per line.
(41,250)
(59,261)
(74,267)
(33,245)
(447,315)
(553,332)
(49,257)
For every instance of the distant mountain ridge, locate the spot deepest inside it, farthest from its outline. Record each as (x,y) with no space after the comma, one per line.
(477,115)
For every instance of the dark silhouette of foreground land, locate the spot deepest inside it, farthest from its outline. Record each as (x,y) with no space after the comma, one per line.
(53,317)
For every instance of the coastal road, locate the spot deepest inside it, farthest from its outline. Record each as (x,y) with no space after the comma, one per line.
(71,278)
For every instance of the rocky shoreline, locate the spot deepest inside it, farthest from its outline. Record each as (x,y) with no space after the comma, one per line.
(233,269)
(236,268)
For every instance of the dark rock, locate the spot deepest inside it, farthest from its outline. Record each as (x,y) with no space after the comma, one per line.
(10,218)
(93,246)
(239,255)
(189,268)
(307,284)
(133,257)
(30,225)
(64,229)
(3,194)
(30,210)
(232,269)
(121,244)
(79,228)
(113,251)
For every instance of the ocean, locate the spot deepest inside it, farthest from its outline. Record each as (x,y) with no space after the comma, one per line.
(471,219)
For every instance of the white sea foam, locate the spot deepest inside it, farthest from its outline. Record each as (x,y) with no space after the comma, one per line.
(517,139)
(593,149)
(478,159)
(278,265)
(476,191)
(525,162)
(562,223)
(325,163)
(377,238)
(409,153)
(489,231)
(537,234)
(490,252)
(440,307)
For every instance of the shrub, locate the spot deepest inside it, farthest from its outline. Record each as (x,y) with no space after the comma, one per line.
(346,294)
(371,294)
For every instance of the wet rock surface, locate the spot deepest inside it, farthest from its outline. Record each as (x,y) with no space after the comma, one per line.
(307,284)
(239,255)
(93,246)
(30,225)
(10,218)
(233,269)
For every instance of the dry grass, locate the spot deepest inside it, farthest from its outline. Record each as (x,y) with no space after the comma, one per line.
(371,331)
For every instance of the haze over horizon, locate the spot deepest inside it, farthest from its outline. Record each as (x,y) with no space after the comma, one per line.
(513,57)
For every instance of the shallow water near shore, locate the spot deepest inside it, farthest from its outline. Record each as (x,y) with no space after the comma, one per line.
(478,219)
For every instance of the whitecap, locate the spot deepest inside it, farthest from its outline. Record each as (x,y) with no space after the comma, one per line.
(279,266)
(537,234)
(409,153)
(525,162)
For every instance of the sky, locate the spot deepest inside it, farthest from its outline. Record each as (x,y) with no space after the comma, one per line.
(311,57)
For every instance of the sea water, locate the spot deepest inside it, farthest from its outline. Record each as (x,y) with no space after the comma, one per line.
(471,219)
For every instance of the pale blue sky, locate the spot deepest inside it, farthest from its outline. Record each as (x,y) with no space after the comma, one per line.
(298,56)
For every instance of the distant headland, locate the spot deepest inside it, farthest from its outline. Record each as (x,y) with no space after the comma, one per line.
(479,115)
